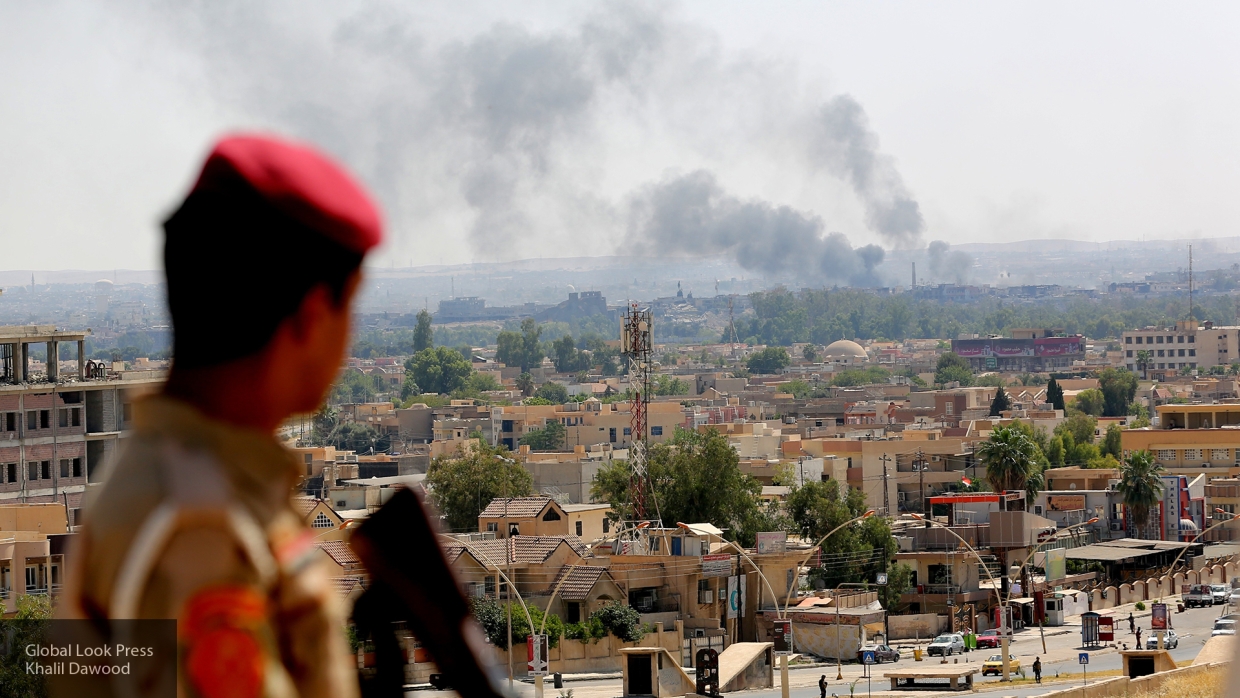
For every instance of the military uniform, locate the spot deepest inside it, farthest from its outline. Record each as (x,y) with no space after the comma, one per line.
(195,523)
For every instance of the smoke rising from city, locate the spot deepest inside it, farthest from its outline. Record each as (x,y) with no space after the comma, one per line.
(947,264)
(693,215)
(508,135)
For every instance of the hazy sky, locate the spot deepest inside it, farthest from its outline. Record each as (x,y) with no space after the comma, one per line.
(512,130)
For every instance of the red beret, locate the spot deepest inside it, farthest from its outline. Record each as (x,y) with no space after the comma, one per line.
(299,181)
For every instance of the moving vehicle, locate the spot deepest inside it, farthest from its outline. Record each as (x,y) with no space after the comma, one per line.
(994,665)
(946,645)
(1223,626)
(1234,597)
(1220,592)
(1198,595)
(882,653)
(989,639)
(1170,640)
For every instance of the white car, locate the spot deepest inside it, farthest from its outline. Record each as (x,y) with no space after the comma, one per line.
(1223,627)
(946,645)
(1234,597)
(1220,592)
(1170,640)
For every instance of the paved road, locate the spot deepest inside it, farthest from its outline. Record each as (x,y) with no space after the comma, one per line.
(1193,626)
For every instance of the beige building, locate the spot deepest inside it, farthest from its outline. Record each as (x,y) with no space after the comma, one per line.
(587,423)
(1191,440)
(1187,345)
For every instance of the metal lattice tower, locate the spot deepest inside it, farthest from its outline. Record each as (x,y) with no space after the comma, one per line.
(637,345)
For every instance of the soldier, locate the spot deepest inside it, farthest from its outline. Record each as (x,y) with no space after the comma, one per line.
(194,521)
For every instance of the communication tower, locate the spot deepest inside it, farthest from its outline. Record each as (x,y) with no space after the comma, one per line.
(637,345)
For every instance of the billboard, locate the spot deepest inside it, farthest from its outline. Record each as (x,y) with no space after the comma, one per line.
(1058,346)
(773,542)
(971,347)
(1056,564)
(1012,347)
(1065,502)
(1158,616)
(716,565)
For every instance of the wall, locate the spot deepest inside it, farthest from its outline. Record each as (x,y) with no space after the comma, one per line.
(916,626)
(576,656)
(821,640)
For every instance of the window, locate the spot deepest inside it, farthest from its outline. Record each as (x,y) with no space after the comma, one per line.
(45,419)
(10,421)
(1192,338)
(62,418)
(1138,340)
(1180,339)
(1192,352)
(64,467)
(628,431)
(492,527)
(1160,340)
(1218,455)
(514,529)
(32,420)
(321,521)
(1165,455)
(1181,352)
(656,431)
(77,467)
(1160,352)
(309,458)
(1127,340)
(551,515)
(32,471)
(1162,365)
(607,521)
(1192,454)
(579,528)
(45,467)
(573,611)
(75,416)
(12,468)
(1130,353)
(488,586)
(340,504)
(1170,340)
(612,435)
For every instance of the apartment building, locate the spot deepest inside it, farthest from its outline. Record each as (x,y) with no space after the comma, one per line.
(1187,345)
(586,423)
(32,543)
(58,428)
(1191,440)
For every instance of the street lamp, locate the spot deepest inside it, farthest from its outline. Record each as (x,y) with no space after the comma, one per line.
(783,659)
(1003,638)
(1053,536)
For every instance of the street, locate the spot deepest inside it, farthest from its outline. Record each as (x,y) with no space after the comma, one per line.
(1060,665)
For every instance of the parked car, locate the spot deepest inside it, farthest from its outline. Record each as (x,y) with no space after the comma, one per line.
(1234,597)
(1170,640)
(1220,592)
(994,665)
(989,639)
(1198,595)
(946,645)
(1223,627)
(882,653)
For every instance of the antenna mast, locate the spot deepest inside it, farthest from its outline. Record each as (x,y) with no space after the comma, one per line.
(1190,282)
(636,344)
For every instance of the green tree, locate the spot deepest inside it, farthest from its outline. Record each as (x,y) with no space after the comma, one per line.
(493,617)
(359,437)
(769,360)
(851,554)
(423,337)
(554,392)
(532,351)
(1090,402)
(1054,395)
(899,580)
(567,358)
(510,350)
(670,385)
(1000,404)
(1010,458)
(1141,488)
(29,625)
(1055,452)
(438,370)
(695,478)
(1112,443)
(1144,358)
(549,438)
(462,484)
(952,367)
(1080,425)
(1119,387)
(810,353)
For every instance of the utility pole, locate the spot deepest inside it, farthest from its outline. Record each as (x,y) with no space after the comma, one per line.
(886,498)
(920,465)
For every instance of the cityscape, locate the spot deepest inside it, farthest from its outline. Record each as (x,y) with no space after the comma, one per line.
(663,432)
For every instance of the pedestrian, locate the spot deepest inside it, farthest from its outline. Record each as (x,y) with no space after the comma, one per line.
(195,522)
(1037,670)
(1138,638)
(822,686)
(1132,624)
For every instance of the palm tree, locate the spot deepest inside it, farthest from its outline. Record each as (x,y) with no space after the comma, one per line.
(1141,487)
(525,383)
(1143,360)
(1234,369)
(1010,458)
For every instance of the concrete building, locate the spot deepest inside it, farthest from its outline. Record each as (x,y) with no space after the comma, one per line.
(1191,440)
(57,430)
(1187,345)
